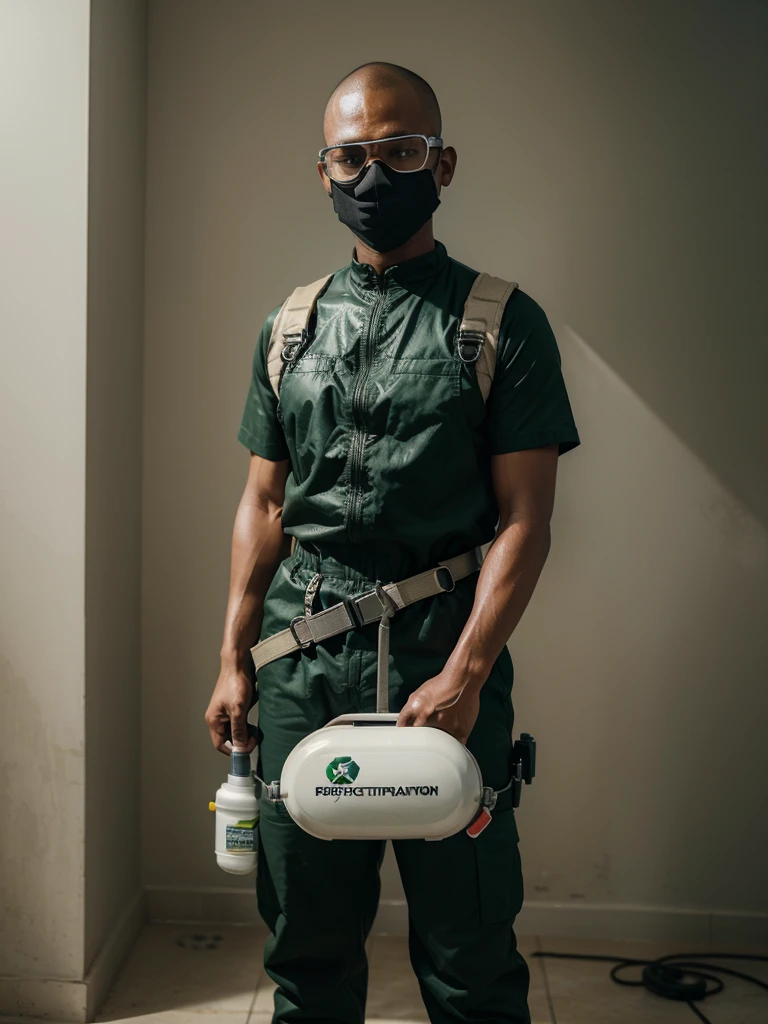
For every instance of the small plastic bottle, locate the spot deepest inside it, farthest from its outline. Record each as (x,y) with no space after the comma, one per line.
(237,813)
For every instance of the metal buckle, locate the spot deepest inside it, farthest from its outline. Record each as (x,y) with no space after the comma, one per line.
(437,571)
(303,644)
(356,616)
(357,612)
(468,345)
(489,797)
(291,345)
(272,792)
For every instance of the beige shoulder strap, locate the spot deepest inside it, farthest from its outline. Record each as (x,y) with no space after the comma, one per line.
(288,330)
(479,330)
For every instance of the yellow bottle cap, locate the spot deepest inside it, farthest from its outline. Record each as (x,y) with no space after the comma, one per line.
(211,806)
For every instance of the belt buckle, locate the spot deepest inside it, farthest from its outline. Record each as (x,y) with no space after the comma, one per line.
(303,644)
(437,571)
(355,611)
(355,615)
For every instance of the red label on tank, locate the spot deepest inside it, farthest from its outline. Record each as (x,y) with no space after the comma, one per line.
(481,821)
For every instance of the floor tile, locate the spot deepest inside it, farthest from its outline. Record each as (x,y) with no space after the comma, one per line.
(583,993)
(741,1002)
(538,1005)
(263,1003)
(177,968)
(538,995)
(393,992)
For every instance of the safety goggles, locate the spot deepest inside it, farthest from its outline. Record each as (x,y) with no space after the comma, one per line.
(404,153)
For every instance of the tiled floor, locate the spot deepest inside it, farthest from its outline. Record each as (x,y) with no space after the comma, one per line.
(181,975)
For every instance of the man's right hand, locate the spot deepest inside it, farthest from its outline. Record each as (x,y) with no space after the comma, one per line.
(227,714)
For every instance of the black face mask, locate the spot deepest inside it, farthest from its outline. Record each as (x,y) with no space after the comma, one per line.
(385,208)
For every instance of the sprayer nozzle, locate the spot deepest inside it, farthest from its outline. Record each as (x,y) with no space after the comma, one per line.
(240,764)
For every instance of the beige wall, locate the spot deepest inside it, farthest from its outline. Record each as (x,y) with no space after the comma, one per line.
(43,99)
(609,159)
(71,318)
(113,467)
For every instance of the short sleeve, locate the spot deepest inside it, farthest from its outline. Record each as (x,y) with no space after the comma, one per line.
(528,405)
(260,429)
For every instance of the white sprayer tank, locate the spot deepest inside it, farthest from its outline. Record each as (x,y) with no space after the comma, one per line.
(360,777)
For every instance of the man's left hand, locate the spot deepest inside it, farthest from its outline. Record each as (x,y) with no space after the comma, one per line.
(444,703)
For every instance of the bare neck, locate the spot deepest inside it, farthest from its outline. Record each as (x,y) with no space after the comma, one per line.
(423,241)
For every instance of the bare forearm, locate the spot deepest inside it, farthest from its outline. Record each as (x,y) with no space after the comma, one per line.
(507,580)
(258,547)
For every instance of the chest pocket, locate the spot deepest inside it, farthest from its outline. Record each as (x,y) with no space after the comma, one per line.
(411,397)
(310,411)
(433,393)
(420,441)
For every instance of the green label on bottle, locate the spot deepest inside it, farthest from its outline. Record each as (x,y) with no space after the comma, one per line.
(240,838)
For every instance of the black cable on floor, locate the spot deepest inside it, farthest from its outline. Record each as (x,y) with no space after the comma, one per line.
(676,976)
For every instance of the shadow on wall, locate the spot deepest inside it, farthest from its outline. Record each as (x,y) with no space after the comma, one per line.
(653,608)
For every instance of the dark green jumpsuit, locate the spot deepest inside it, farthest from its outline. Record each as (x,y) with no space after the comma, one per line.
(389,444)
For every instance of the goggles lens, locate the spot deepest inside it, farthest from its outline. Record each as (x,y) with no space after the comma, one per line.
(409,153)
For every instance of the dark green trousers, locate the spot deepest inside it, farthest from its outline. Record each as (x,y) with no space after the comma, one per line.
(319,898)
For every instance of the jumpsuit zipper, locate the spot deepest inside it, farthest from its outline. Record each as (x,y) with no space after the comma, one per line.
(358,415)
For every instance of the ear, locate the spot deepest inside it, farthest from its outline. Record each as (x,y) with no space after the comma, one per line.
(446,166)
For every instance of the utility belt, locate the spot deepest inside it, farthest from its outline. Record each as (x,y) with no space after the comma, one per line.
(312,628)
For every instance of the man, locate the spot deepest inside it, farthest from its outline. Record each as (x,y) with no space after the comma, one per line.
(380,460)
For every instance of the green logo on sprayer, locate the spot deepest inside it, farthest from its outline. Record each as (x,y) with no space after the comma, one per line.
(342,771)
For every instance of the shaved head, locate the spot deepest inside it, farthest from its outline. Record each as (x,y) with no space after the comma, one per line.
(386,101)
(381,84)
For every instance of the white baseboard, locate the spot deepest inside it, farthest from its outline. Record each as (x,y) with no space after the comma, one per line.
(74,1001)
(223,905)
(202,904)
(712,928)
(48,999)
